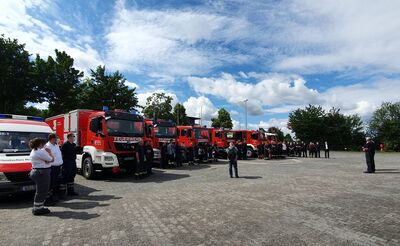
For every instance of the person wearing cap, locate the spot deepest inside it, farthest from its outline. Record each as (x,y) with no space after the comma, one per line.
(55,169)
(369,149)
(68,151)
(40,174)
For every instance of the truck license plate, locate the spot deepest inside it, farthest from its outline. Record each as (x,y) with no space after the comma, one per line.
(28,188)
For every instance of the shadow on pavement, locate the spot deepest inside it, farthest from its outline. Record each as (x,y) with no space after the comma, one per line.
(159,176)
(387,170)
(72,215)
(250,177)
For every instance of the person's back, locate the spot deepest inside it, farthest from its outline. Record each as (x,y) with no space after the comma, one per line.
(232,152)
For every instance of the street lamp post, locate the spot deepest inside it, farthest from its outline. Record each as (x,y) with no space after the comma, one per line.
(245,106)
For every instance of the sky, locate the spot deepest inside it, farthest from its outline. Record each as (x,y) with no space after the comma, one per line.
(212,54)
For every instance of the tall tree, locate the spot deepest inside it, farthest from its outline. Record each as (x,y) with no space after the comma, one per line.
(223,120)
(17,86)
(288,138)
(179,115)
(61,81)
(104,89)
(385,125)
(159,105)
(279,133)
(308,123)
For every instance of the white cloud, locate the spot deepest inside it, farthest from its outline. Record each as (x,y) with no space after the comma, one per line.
(142,97)
(272,90)
(200,107)
(131,85)
(64,26)
(316,36)
(171,42)
(40,38)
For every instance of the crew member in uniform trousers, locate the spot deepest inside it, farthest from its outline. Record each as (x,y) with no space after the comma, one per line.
(326,150)
(40,174)
(140,159)
(55,169)
(68,151)
(149,152)
(317,150)
(304,149)
(244,150)
(369,149)
(164,155)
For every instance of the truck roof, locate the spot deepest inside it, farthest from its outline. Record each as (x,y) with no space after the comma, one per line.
(24,126)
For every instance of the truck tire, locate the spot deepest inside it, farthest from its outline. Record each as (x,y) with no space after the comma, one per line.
(87,168)
(250,152)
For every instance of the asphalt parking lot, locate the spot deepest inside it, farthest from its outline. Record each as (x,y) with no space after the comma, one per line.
(279,202)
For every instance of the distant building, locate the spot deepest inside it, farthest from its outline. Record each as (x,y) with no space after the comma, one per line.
(192,120)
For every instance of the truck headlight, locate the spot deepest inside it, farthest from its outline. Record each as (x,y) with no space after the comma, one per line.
(108,158)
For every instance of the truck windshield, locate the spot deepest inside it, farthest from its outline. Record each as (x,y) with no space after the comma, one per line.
(12,142)
(201,133)
(165,132)
(128,128)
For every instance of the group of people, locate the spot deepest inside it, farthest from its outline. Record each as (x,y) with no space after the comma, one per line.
(174,154)
(295,149)
(53,171)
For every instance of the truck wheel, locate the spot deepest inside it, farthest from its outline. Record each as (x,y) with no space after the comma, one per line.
(87,168)
(250,152)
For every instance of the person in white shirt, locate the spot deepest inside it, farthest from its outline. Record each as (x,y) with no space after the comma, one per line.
(40,174)
(56,165)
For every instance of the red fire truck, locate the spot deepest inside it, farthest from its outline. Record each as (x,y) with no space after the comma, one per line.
(192,135)
(105,139)
(221,137)
(251,137)
(159,132)
(15,133)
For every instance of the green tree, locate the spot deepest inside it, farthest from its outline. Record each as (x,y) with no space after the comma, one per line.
(308,123)
(106,89)
(223,120)
(288,138)
(158,105)
(179,115)
(61,81)
(17,86)
(385,125)
(278,131)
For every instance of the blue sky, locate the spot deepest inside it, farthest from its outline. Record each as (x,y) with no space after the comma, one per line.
(280,55)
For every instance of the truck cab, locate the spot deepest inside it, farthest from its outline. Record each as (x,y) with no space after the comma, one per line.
(15,133)
(159,132)
(105,140)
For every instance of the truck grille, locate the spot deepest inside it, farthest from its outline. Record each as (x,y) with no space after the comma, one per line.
(123,146)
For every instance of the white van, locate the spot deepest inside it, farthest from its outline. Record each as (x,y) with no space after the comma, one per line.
(15,133)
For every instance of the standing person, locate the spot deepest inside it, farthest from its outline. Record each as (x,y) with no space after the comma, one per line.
(68,151)
(311,149)
(190,155)
(232,152)
(284,149)
(239,149)
(317,150)
(215,153)
(369,149)
(178,155)
(304,149)
(210,153)
(55,169)
(140,159)
(244,150)
(171,152)
(40,174)
(149,152)
(326,150)
(164,155)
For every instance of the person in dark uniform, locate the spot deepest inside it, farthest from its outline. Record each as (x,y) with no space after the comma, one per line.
(178,155)
(164,155)
(190,155)
(210,153)
(140,159)
(215,153)
(326,150)
(239,149)
(369,149)
(244,150)
(149,152)
(304,149)
(68,151)
(317,150)
(232,153)
(311,149)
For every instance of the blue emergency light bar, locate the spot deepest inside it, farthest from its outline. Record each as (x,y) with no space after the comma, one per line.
(21,117)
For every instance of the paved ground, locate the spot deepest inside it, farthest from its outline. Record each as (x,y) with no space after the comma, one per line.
(280,202)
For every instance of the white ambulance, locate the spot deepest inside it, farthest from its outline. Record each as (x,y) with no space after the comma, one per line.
(15,133)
